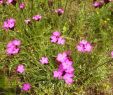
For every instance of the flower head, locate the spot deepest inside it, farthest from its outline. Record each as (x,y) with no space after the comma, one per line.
(9,24)
(37,17)
(98,4)
(1,1)
(20,68)
(27,21)
(11,2)
(84,46)
(22,6)
(26,87)
(13,47)
(44,60)
(59,11)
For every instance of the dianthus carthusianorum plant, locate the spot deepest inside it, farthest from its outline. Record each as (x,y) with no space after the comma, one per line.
(55,47)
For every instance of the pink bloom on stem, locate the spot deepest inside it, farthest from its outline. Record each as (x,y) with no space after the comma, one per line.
(61,41)
(9,24)
(22,6)
(59,11)
(44,60)
(26,87)
(13,47)
(84,46)
(37,17)
(20,68)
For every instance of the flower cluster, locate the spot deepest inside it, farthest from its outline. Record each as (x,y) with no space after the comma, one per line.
(99,4)
(13,47)
(84,46)
(56,38)
(65,68)
(9,24)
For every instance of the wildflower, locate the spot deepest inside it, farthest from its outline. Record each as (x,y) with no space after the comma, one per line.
(98,4)
(9,24)
(1,1)
(37,17)
(44,60)
(61,57)
(65,69)
(61,41)
(26,87)
(68,78)
(84,46)
(20,68)
(56,33)
(13,47)
(112,54)
(27,21)
(56,38)
(11,2)
(22,6)
(59,11)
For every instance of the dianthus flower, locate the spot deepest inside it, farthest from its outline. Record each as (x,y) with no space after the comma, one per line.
(97,4)
(65,68)
(37,17)
(13,47)
(44,60)
(26,87)
(22,6)
(11,2)
(9,24)
(20,68)
(84,46)
(56,38)
(59,11)
(1,1)
(112,54)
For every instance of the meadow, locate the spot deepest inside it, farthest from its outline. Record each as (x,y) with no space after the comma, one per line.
(56,47)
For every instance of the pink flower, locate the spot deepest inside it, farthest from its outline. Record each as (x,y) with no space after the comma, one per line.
(27,21)
(57,34)
(98,4)
(44,60)
(61,41)
(11,2)
(112,54)
(37,17)
(13,47)
(1,1)
(59,11)
(84,46)
(61,57)
(22,6)
(67,63)
(53,39)
(57,74)
(20,68)
(26,86)
(9,24)
(68,78)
